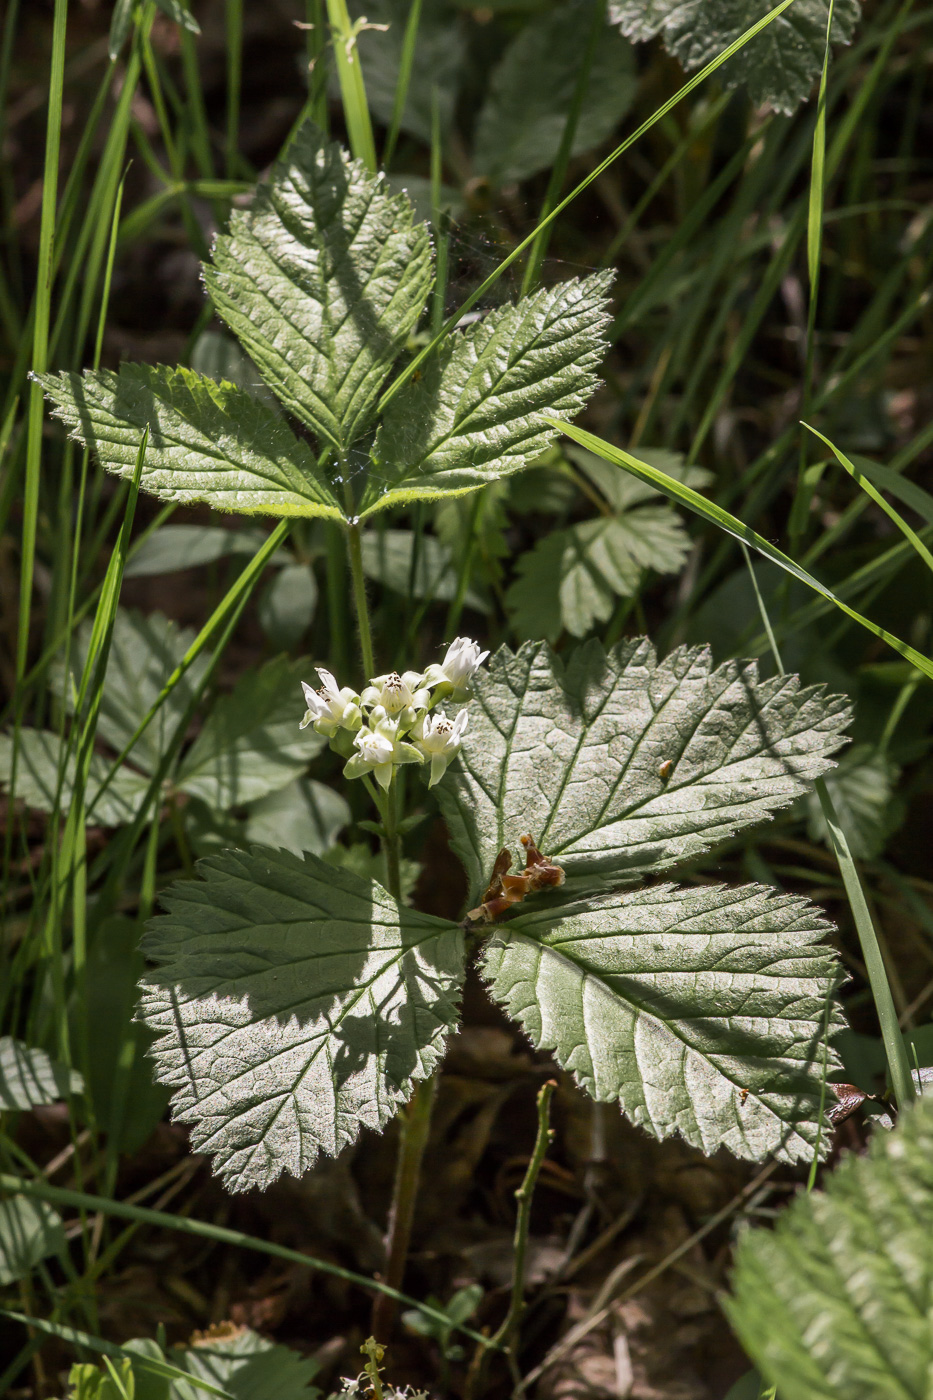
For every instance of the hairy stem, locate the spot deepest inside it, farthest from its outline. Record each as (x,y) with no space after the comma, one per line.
(355,553)
(415,1125)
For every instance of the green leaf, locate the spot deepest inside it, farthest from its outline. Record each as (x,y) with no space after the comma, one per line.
(833,1304)
(862,791)
(387,558)
(295,1004)
(577,754)
(572,578)
(207,441)
(37,766)
(245,1365)
(287,605)
(174,547)
(251,744)
(29,1232)
(478,409)
(128,1105)
(322,281)
(778,66)
(29,1077)
(144,651)
(179,12)
(522,121)
(439,51)
(700,1011)
(304,816)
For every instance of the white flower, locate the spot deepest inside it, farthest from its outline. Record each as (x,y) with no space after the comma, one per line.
(398,695)
(439,739)
(378,750)
(458,668)
(331,708)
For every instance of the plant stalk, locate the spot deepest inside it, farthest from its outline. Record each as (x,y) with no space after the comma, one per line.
(524,1196)
(355,553)
(415,1126)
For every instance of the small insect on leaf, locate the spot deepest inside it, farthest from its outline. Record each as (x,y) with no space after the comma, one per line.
(743,1095)
(505,890)
(664,769)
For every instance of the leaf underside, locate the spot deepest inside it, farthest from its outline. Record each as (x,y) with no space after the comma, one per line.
(834,1303)
(620,764)
(700,1010)
(322,281)
(207,441)
(294,1004)
(778,66)
(477,409)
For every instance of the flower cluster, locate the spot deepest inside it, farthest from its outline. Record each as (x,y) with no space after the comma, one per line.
(396,720)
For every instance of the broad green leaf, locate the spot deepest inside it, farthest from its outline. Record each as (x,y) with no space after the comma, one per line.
(144,651)
(834,1302)
(478,409)
(294,1004)
(174,547)
(304,816)
(29,1077)
(362,860)
(522,121)
(246,1365)
(623,764)
(322,281)
(862,791)
(699,1010)
(37,765)
(29,1232)
(778,66)
(287,605)
(251,744)
(207,441)
(573,578)
(387,558)
(439,51)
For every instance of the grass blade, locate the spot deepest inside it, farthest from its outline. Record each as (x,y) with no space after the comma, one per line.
(352,89)
(221,1234)
(715,515)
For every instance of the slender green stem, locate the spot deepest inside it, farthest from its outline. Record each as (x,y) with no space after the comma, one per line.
(415,1127)
(391,842)
(355,553)
(352,89)
(409,43)
(524,1196)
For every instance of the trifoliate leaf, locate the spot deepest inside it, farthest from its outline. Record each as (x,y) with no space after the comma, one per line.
(476,410)
(862,790)
(522,121)
(438,56)
(573,578)
(207,441)
(251,744)
(37,765)
(304,816)
(700,1011)
(144,652)
(245,1365)
(322,281)
(778,66)
(294,1004)
(834,1303)
(623,764)
(29,1232)
(29,1077)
